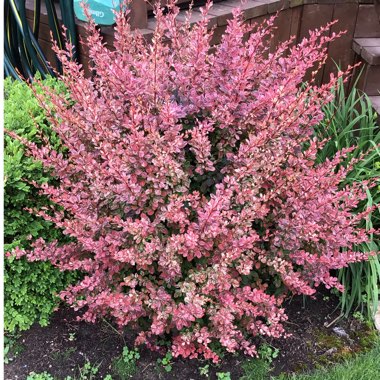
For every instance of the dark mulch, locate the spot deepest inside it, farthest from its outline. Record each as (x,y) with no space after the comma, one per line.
(65,345)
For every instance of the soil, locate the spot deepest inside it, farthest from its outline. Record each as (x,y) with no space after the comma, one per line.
(66,344)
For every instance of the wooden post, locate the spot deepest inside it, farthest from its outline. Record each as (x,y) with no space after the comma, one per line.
(377,7)
(139,14)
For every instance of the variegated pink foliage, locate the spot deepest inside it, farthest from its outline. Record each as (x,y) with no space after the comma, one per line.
(189,186)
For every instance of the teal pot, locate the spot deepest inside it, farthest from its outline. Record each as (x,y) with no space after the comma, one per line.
(101,10)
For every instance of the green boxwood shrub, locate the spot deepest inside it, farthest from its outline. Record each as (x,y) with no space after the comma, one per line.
(30,288)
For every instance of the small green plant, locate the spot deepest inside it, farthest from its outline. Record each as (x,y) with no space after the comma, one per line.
(88,371)
(166,362)
(359,316)
(11,347)
(40,376)
(72,337)
(125,365)
(107,377)
(204,371)
(63,354)
(223,375)
(130,355)
(268,353)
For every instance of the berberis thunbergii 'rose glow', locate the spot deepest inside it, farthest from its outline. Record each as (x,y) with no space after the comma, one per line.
(189,185)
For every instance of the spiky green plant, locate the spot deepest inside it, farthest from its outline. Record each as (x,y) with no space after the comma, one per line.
(23,56)
(351,122)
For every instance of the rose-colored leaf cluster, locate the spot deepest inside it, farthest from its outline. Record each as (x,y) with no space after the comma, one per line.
(189,186)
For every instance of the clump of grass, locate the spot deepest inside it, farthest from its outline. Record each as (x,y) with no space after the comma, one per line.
(256,369)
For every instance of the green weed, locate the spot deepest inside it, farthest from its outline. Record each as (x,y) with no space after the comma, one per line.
(125,366)
(40,376)
(223,376)
(166,362)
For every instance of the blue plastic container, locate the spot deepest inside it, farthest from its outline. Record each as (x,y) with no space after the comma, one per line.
(101,10)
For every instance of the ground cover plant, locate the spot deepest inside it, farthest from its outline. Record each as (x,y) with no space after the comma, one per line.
(30,290)
(190,189)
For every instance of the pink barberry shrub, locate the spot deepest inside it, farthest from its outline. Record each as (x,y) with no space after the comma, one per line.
(189,187)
